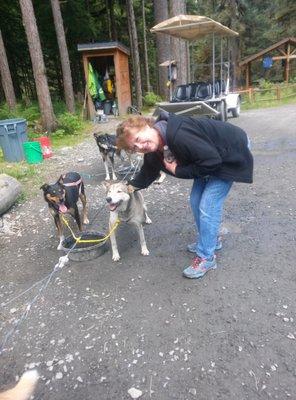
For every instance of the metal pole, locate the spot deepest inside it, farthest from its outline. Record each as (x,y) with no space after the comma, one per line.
(221,66)
(213,65)
(228,67)
(170,69)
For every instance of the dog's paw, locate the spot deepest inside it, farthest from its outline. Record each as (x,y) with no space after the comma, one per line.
(148,221)
(145,252)
(116,257)
(60,247)
(86,221)
(107,178)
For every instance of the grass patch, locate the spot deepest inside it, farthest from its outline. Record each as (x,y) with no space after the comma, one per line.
(71,131)
(246,105)
(266,96)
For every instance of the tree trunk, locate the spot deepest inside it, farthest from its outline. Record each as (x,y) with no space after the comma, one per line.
(234,46)
(162,46)
(6,77)
(29,22)
(61,38)
(134,45)
(178,46)
(145,48)
(113,30)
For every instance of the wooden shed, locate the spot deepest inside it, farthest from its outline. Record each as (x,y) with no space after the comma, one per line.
(284,50)
(112,57)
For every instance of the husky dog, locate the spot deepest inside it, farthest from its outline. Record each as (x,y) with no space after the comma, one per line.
(127,205)
(107,146)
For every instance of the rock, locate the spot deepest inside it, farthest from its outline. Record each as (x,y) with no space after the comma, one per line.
(10,189)
(134,393)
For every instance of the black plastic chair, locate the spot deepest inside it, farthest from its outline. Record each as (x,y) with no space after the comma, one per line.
(203,91)
(180,94)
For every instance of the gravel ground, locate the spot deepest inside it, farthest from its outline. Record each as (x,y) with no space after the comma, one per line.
(101,328)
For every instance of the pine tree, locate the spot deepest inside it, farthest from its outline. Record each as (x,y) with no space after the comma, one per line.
(44,99)
(61,38)
(6,76)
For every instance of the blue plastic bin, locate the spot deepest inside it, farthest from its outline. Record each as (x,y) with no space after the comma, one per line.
(13,132)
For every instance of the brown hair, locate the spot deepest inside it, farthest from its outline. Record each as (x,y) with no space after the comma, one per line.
(123,129)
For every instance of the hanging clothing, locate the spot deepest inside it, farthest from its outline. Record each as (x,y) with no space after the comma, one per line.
(267,62)
(94,87)
(100,92)
(91,82)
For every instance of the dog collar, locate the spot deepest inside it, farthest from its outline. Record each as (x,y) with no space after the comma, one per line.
(72,183)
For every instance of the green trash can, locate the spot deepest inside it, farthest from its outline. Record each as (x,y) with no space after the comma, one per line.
(33,152)
(13,132)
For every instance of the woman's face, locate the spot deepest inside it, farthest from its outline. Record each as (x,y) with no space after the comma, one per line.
(147,140)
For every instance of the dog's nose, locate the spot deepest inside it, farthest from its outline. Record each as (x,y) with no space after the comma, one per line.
(108,199)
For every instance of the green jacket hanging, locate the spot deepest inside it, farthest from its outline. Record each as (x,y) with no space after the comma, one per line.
(91,82)
(100,92)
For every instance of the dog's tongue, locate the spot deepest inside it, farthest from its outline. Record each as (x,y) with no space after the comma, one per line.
(62,208)
(112,207)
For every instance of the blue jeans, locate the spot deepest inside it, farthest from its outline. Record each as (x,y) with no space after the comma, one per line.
(206,200)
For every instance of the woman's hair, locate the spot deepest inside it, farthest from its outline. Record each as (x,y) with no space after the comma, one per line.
(124,129)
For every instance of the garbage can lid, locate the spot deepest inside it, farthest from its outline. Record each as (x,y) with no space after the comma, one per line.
(11,121)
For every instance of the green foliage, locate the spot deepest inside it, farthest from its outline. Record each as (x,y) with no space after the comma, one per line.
(70,124)
(265,84)
(267,95)
(259,24)
(150,99)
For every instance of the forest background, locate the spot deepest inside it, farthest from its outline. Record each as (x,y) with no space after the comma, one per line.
(260,23)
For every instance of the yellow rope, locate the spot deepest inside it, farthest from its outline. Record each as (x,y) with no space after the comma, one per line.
(79,240)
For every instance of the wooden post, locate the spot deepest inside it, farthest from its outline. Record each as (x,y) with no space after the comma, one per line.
(250,95)
(278,93)
(248,75)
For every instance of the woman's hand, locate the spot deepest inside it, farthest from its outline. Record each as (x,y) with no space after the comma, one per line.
(170,166)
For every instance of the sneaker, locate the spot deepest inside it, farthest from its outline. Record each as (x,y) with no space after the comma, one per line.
(199,267)
(192,247)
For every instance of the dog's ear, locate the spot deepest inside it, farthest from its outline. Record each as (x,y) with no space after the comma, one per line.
(61,180)
(106,184)
(44,187)
(96,135)
(130,188)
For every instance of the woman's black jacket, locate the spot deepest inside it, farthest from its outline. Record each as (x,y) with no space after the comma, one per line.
(202,147)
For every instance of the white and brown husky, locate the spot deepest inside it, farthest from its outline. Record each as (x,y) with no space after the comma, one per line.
(127,205)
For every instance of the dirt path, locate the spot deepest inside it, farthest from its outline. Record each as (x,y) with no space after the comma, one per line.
(101,328)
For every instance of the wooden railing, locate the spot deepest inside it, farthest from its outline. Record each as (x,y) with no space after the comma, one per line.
(276,93)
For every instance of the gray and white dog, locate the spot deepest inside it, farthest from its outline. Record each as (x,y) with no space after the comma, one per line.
(128,206)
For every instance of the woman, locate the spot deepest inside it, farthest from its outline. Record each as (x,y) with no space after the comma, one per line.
(212,153)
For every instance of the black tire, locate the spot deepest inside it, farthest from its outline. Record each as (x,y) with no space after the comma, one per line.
(221,110)
(236,111)
(225,111)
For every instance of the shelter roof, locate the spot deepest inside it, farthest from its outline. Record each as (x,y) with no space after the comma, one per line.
(103,46)
(289,40)
(192,27)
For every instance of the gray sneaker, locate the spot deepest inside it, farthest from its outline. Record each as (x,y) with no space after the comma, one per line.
(192,247)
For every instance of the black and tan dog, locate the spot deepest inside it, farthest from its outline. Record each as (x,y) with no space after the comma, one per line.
(62,198)
(107,146)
